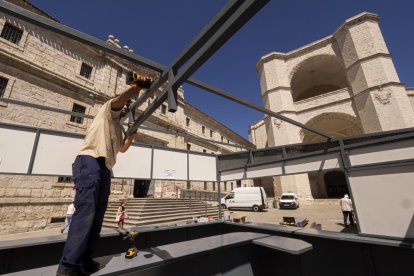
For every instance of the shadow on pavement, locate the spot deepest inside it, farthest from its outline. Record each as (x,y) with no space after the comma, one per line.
(350,229)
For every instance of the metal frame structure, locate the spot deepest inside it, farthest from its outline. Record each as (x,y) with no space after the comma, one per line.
(231,18)
(235,14)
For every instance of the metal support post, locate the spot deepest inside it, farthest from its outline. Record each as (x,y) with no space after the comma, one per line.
(172,92)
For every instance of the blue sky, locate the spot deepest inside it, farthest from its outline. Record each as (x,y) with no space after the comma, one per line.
(160,30)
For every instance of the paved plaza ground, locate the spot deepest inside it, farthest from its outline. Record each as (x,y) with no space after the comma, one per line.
(327,213)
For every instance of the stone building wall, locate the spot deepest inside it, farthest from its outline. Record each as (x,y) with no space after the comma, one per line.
(44,69)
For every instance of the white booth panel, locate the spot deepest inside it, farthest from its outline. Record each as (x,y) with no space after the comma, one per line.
(382,153)
(15,150)
(313,163)
(55,154)
(384,200)
(265,170)
(232,175)
(169,165)
(202,168)
(134,163)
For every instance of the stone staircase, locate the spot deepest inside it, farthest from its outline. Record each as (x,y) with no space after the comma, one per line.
(158,211)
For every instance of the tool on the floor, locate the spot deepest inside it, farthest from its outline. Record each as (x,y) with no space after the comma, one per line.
(132,251)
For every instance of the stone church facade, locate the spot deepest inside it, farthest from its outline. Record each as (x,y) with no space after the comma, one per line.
(40,67)
(344,84)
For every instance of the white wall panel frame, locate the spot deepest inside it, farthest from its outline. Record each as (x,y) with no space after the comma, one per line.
(237,174)
(16,150)
(265,170)
(55,154)
(202,168)
(384,200)
(134,163)
(313,163)
(169,164)
(382,153)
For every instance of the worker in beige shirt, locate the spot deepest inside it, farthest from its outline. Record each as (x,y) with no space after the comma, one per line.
(92,177)
(347,208)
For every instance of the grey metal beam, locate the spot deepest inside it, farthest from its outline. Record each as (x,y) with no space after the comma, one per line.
(172,93)
(195,45)
(227,95)
(234,19)
(239,160)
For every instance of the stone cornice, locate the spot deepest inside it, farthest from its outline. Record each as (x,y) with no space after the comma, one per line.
(355,20)
(276,89)
(324,105)
(5,201)
(359,61)
(295,53)
(379,87)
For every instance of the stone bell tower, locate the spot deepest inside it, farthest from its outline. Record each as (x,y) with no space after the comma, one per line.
(381,100)
(344,84)
(277,96)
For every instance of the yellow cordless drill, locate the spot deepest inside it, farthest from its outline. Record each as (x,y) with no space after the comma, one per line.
(132,251)
(143,82)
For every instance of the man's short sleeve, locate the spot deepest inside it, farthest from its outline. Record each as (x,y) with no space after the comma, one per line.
(114,114)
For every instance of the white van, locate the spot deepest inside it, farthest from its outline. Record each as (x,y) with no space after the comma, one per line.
(253,198)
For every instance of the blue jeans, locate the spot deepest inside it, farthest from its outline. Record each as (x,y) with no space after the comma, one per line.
(93,185)
(68,221)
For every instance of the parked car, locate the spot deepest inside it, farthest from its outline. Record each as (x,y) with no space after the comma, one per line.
(253,198)
(288,200)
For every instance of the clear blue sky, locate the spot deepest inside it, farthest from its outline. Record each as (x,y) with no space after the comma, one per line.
(159,30)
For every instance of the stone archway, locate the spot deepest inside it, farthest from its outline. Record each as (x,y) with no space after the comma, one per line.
(330,184)
(335,124)
(335,184)
(316,76)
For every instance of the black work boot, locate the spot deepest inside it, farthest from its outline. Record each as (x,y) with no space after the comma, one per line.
(91,266)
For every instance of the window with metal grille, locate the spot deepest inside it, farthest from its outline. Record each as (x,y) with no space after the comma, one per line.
(11,33)
(3,85)
(64,179)
(79,109)
(86,70)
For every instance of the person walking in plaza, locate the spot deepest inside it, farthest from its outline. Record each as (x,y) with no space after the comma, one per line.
(121,215)
(347,209)
(92,177)
(69,214)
